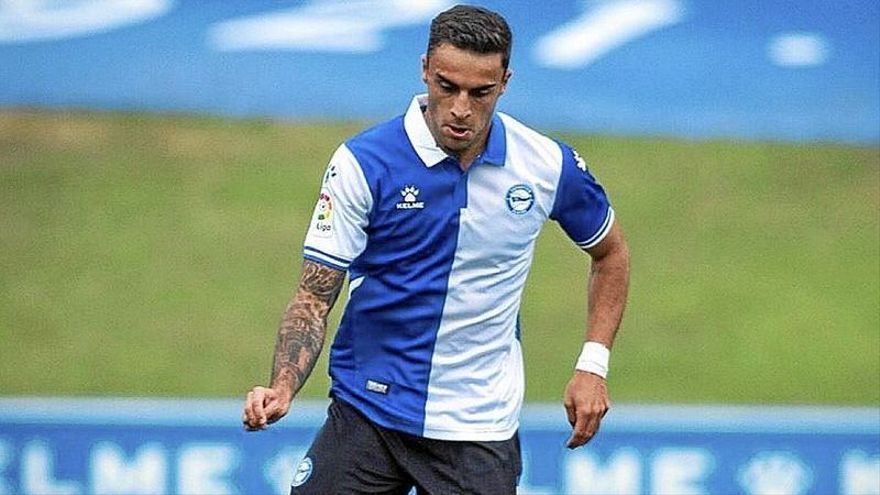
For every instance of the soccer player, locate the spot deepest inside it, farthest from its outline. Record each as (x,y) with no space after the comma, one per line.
(434,216)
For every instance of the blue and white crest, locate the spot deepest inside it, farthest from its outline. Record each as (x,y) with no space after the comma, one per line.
(303,472)
(520,199)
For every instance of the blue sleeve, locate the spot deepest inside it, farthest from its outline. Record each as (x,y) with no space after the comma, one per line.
(581,206)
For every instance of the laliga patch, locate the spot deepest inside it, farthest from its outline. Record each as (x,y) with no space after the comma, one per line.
(520,199)
(303,472)
(322,219)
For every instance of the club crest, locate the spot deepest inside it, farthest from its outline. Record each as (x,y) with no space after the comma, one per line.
(520,199)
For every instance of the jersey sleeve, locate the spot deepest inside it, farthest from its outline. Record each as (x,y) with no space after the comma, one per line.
(337,231)
(581,206)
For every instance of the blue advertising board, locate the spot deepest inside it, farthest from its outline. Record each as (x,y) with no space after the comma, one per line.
(802,70)
(163,446)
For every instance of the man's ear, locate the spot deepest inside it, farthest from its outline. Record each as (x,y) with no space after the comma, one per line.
(425,68)
(507,75)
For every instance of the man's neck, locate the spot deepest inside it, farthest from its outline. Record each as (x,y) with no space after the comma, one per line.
(466,157)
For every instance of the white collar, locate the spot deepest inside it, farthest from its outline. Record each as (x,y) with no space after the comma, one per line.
(419,135)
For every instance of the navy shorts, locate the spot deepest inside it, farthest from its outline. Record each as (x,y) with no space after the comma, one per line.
(352,455)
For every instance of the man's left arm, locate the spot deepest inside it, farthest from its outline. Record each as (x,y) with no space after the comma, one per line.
(586,396)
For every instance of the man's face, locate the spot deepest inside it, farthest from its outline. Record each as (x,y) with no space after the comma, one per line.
(463,88)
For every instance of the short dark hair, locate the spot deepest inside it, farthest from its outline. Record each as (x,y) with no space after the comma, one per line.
(472,28)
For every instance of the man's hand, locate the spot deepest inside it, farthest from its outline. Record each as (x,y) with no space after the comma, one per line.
(264,406)
(586,402)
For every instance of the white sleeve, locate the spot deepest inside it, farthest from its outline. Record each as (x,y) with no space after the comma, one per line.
(336,234)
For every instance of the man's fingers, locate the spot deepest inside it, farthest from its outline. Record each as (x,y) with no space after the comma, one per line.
(579,431)
(589,417)
(254,414)
(571,412)
(592,427)
(258,399)
(249,408)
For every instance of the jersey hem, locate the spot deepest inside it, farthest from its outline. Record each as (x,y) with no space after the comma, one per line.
(418,429)
(472,436)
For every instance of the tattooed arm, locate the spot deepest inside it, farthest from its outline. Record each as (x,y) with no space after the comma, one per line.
(300,339)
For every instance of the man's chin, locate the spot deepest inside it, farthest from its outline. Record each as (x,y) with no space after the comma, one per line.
(455,145)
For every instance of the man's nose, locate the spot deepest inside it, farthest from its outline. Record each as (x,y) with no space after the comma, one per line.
(461,105)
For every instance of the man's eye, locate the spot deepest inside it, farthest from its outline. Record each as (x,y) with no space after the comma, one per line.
(480,93)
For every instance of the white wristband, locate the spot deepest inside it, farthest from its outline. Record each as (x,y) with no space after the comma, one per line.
(594,359)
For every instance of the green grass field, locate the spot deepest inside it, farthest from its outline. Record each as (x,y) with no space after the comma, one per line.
(153,255)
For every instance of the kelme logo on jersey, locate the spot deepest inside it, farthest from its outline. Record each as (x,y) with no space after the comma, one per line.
(410,199)
(330,173)
(520,199)
(303,472)
(579,161)
(323,221)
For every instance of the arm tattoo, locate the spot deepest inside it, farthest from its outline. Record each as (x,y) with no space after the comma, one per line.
(301,334)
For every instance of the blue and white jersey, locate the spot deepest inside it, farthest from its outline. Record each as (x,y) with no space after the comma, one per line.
(437,259)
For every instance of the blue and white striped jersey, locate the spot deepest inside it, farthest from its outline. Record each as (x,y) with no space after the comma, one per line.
(437,259)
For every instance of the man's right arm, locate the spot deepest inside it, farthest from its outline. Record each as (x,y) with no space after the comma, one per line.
(299,343)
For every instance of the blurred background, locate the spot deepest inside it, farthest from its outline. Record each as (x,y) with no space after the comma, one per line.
(159,161)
